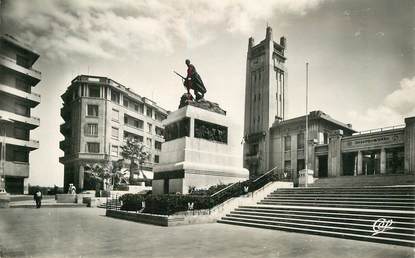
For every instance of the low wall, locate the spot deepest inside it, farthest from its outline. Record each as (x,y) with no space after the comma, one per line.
(4,200)
(154,219)
(200,216)
(66,198)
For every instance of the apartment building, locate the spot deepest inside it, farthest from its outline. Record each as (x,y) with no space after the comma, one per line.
(17,78)
(100,114)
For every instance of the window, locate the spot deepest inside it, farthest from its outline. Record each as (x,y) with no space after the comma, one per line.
(300,141)
(138,123)
(141,108)
(22,61)
(114,150)
(91,130)
(21,156)
(159,131)
(92,110)
(131,121)
(157,145)
(94,91)
(149,142)
(21,109)
(125,102)
(134,136)
(115,96)
(150,127)
(21,133)
(156,158)
(114,132)
(149,112)
(22,85)
(92,147)
(287,143)
(115,115)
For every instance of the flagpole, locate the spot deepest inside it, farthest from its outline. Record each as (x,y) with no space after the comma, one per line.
(306,126)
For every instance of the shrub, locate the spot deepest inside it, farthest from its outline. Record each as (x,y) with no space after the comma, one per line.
(131,202)
(121,188)
(168,204)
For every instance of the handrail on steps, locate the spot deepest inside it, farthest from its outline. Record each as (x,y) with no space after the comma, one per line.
(264,174)
(221,190)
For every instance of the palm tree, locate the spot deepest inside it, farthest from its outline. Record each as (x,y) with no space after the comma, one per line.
(137,153)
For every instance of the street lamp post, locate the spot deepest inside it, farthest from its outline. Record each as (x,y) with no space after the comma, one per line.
(306,127)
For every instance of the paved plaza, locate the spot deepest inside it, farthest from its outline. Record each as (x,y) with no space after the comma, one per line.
(86,232)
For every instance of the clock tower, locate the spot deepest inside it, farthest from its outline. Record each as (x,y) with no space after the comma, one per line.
(265,98)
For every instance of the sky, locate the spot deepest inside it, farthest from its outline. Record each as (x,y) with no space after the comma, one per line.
(361,55)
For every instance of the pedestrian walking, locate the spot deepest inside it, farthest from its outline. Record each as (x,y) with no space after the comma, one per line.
(38,198)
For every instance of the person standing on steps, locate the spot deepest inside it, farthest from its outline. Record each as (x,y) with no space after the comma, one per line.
(38,198)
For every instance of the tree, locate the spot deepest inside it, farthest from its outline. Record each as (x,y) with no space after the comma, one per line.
(137,153)
(107,173)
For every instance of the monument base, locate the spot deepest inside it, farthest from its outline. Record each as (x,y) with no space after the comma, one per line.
(186,176)
(200,150)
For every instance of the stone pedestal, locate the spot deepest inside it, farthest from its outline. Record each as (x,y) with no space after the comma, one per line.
(199,151)
(4,200)
(303,176)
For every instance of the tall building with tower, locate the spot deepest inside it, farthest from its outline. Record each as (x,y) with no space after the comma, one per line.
(265,98)
(333,149)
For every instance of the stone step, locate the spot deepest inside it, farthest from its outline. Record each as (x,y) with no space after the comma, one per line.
(345,205)
(342,197)
(326,212)
(325,231)
(407,202)
(345,195)
(399,229)
(342,217)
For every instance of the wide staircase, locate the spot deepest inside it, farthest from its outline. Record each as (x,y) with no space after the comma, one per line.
(381,214)
(362,180)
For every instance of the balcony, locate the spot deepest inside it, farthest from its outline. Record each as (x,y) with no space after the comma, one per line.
(10,63)
(65,129)
(33,98)
(65,113)
(62,145)
(31,144)
(33,121)
(14,168)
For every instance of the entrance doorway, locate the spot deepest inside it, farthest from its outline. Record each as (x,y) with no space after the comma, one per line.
(371,162)
(14,185)
(322,166)
(349,163)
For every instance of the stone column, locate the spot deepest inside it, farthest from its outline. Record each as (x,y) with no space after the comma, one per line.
(316,166)
(382,161)
(294,155)
(334,153)
(81,177)
(359,163)
(25,185)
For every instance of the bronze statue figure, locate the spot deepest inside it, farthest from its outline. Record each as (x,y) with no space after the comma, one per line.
(193,81)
